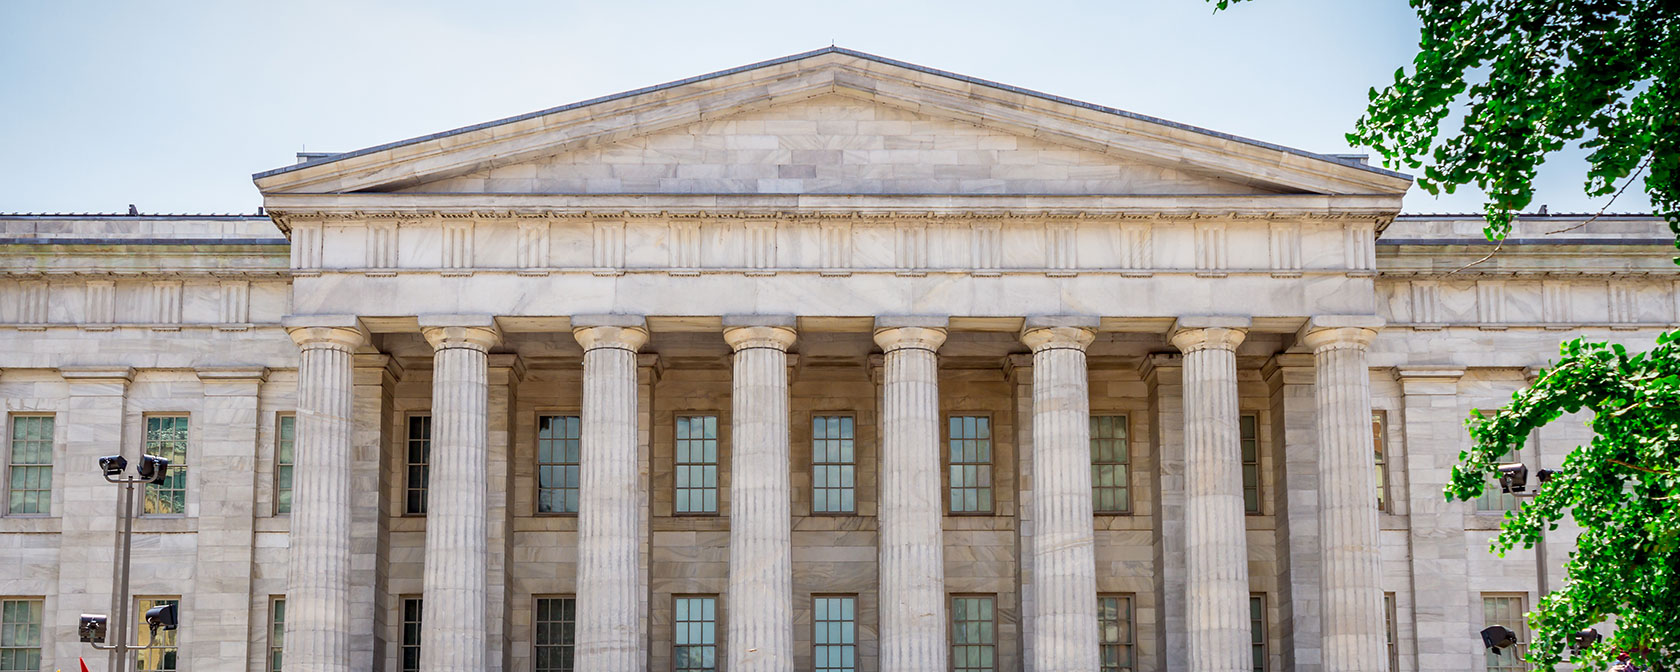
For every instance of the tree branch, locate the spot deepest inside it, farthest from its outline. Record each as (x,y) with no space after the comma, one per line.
(1648,470)
(1631,179)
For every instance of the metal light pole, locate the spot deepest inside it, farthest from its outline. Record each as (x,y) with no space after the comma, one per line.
(151,470)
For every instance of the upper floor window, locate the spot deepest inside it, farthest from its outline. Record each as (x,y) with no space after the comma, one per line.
(166,437)
(1379,422)
(973,633)
(695,640)
(556,634)
(697,464)
(20,634)
(285,441)
(1111,465)
(156,660)
(417,465)
(833,465)
(559,451)
(29,468)
(1250,432)
(1114,622)
(970,458)
(834,633)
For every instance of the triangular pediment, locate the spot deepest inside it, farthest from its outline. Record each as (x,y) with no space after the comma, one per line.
(831,122)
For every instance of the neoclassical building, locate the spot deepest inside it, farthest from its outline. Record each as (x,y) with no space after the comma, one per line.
(825,363)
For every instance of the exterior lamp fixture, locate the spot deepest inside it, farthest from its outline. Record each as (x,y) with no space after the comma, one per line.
(1498,638)
(1513,477)
(162,616)
(153,469)
(92,628)
(1585,639)
(113,465)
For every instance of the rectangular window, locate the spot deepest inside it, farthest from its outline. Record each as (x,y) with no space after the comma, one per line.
(1250,425)
(20,635)
(1391,616)
(1493,500)
(412,609)
(1379,422)
(1506,610)
(973,634)
(555,638)
(1257,629)
(697,464)
(29,483)
(559,451)
(834,633)
(1111,465)
(833,465)
(285,432)
(166,437)
(971,463)
(155,660)
(695,638)
(1114,622)
(276,632)
(419,458)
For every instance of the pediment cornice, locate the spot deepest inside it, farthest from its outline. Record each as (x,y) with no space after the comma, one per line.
(1071,123)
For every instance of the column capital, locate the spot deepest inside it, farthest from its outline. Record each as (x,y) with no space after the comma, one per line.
(1323,332)
(773,337)
(344,332)
(904,338)
(1190,333)
(608,336)
(1057,338)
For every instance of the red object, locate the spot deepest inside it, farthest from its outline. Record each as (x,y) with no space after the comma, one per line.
(84,664)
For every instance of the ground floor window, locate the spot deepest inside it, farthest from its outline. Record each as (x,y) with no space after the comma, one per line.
(20,634)
(973,633)
(556,629)
(1114,620)
(412,609)
(696,634)
(155,660)
(834,636)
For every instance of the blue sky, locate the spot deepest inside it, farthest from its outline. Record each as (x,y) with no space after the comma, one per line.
(172,105)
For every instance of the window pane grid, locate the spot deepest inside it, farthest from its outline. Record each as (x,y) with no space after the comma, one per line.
(1251,463)
(155,660)
(833,465)
(697,464)
(971,464)
(1114,619)
(695,638)
(285,443)
(1379,420)
(1391,617)
(276,632)
(166,437)
(555,638)
(1506,610)
(419,464)
(973,634)
(20,635)
(30,482)
(559,451)
(1111,467)
(1257,630)
(412,609)
(834,638)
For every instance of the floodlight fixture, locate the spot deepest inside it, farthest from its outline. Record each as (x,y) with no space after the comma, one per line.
(1585,639)
(1497,638)
(113,465)
(1545,475)
(92,627)
(1513,477)
(153,469)
(162,616)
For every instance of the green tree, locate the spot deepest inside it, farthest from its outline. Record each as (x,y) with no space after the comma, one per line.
(1522,80)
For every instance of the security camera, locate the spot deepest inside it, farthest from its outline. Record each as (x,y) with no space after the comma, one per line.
(153,469)
(162,616)
(92,627)
(113,465)
(1585,639)
(1545,475)
(1513,477)
(1497,637)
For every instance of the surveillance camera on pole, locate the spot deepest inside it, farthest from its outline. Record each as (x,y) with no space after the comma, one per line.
(93,628)
(1497,638)
(1584,640)
(1513,477)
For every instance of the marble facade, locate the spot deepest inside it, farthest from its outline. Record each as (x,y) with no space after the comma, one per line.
(832,234)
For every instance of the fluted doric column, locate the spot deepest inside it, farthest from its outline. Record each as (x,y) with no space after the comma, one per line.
(760,522)
(1215,538)
(1355,637)
(454,628)
(912,541)
(609,622)
(318,627)
(1064,567)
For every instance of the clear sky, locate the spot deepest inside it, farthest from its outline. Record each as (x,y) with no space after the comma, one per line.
(171,105)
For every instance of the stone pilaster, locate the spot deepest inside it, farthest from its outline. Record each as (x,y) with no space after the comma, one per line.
(506,370)
(1164,375)
(1289,379)
(1215,537)
(760,530)
(912,541)
(611,633)
(1355,634)
(455,626)
(1064,569)
(318,592)
(221,613)
(93,428)
(375,380)
(1434,431)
